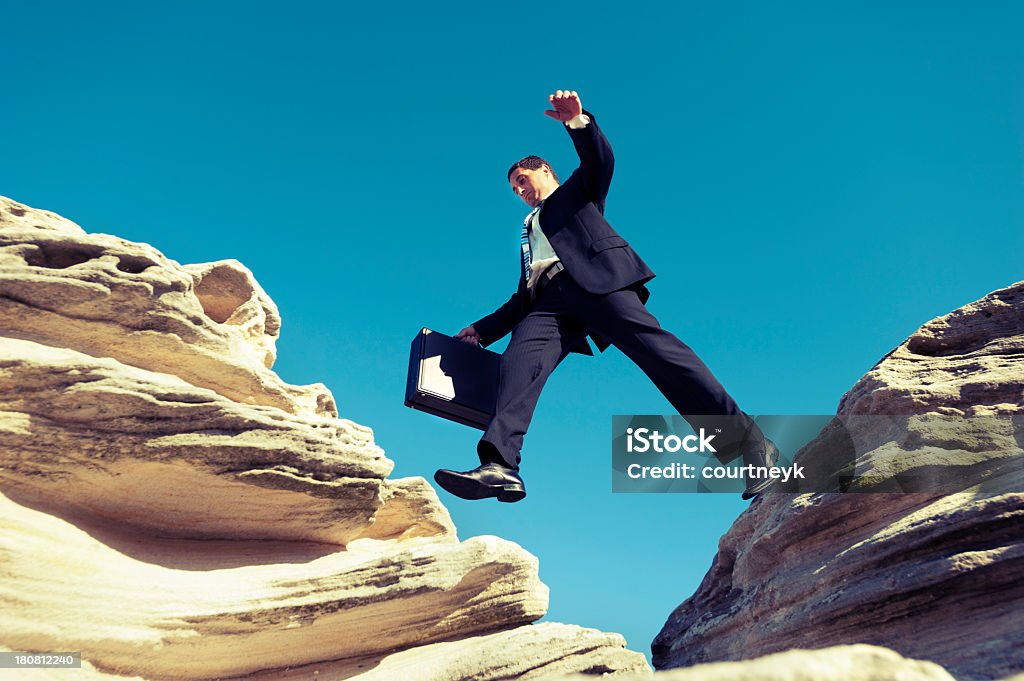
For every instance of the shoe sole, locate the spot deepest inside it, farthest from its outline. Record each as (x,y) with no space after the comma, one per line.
(511,493)
(467,488)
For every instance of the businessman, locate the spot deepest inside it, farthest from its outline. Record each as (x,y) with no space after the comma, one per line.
(578,277)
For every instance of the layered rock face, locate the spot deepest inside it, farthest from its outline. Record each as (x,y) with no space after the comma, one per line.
(936,575)
(173,510)
(839,663)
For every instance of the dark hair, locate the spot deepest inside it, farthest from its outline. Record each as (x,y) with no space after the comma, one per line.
(531,163)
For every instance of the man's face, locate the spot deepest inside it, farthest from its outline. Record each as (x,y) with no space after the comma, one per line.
(532,186)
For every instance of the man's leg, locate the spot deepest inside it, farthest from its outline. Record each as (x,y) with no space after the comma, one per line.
(539,343)
(672,365)
(674,368)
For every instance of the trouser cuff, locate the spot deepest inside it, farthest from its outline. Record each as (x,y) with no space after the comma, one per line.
(490,453)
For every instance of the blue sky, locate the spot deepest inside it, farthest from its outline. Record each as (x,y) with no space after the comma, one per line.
(810,181)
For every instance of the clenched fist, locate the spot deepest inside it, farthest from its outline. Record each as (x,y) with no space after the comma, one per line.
(567,105)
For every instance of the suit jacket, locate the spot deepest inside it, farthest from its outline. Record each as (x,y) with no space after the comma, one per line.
(593,253)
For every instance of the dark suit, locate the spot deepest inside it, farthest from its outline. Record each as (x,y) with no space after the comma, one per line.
(600,293)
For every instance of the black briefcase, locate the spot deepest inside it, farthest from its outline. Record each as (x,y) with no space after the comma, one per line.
(452,379)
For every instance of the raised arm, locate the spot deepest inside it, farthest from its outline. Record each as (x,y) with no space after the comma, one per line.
(596,159)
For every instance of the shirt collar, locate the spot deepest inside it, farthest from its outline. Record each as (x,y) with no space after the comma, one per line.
(533,212)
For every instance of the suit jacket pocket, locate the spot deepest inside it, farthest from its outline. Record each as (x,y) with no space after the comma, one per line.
(606,243)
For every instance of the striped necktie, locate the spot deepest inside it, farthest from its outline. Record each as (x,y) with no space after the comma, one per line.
(524,241)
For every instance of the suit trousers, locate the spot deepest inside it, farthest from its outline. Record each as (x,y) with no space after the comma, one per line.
(560,318)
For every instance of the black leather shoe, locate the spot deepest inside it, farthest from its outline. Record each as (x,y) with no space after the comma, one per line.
(768,457)
(488,480)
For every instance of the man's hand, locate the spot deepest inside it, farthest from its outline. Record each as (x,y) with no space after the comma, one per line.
(567,105)
(469,335)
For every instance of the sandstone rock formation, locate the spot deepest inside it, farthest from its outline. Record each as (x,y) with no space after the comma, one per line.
(934,575)
(839,663)
(173,510)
